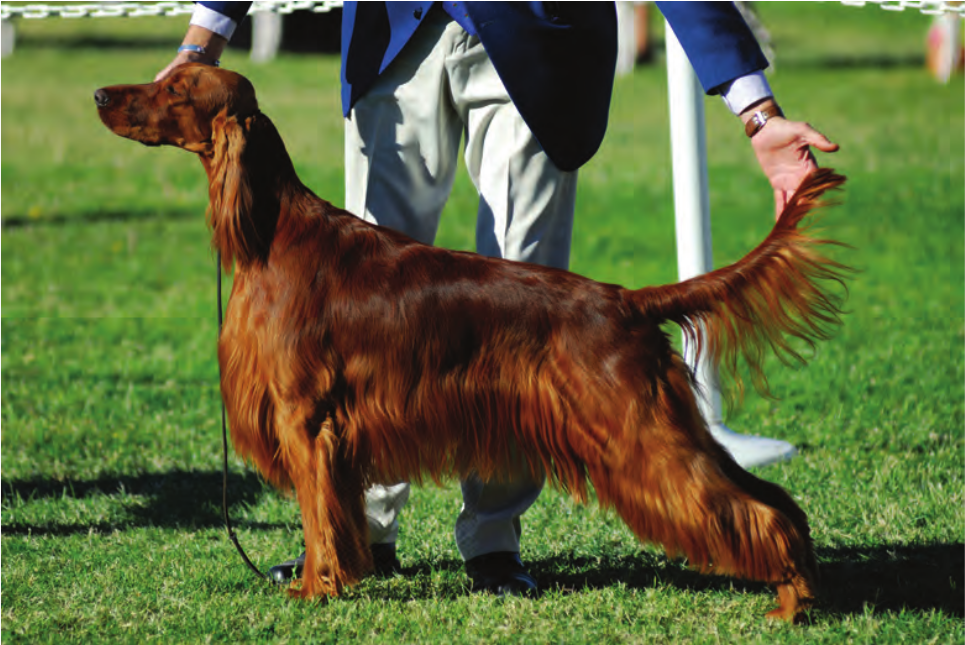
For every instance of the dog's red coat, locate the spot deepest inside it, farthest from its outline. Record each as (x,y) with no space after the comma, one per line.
(352,355)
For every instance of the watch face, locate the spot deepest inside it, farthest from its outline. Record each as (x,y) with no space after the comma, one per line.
(756,122)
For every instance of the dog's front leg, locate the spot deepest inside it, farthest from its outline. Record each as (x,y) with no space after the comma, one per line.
(330,494)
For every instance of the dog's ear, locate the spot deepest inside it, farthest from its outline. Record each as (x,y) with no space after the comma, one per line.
(230,213)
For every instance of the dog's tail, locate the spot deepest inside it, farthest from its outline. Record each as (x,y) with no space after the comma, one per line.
(783,289)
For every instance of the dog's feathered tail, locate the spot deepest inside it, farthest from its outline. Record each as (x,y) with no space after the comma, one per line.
(783,289)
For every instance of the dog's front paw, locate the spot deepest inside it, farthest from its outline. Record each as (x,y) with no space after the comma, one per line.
(320,590)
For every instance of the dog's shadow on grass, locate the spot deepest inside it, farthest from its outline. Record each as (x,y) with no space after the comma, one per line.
(175,499)
(893,578)
(854,581)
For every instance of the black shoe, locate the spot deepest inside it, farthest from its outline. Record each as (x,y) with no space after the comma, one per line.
(386,564)
(284,572)
(501,573)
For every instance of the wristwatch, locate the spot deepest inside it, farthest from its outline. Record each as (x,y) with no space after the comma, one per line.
(759,118)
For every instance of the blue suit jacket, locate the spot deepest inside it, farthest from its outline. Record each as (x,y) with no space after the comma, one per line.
(556,59)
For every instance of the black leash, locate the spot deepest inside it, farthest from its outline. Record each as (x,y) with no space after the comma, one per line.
(224,446)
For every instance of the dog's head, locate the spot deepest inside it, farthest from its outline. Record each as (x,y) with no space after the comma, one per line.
(212,112)
(185,109)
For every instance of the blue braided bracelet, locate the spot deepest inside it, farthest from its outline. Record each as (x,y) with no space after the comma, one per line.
(197,49)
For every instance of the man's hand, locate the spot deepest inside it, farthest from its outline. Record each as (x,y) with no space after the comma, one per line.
(212,43)
(783,150)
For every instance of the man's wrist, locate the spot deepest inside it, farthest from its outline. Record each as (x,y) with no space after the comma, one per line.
(201,54)
(757,115)
(202,45)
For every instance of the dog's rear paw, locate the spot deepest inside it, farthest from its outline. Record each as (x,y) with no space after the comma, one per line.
(796,599)
(797,616)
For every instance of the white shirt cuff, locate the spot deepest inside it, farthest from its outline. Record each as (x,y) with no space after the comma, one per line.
(213,21)
(744,91)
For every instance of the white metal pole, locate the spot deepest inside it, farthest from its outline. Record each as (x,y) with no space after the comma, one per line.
(266,35)
(694,249)
(691,199)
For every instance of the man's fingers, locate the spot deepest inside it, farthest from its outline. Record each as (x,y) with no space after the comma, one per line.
(824,144)
(163,73)
(180,59)
(817,140)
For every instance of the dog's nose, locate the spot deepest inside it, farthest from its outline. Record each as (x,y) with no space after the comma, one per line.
(102,98)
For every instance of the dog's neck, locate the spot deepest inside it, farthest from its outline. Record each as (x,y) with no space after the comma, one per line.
(252,188)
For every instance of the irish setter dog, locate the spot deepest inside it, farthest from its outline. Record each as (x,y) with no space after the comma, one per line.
(352,355)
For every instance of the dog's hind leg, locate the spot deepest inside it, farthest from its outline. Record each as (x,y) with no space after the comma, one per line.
(674,485)
(330,494)
(798,591)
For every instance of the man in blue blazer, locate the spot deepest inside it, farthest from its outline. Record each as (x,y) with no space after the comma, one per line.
(527,86)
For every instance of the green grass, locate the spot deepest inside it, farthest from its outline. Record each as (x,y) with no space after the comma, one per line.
(111,527)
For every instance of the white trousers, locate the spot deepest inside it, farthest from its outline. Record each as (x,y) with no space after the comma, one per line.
(401,151)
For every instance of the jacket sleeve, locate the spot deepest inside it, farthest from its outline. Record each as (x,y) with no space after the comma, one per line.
(719,44)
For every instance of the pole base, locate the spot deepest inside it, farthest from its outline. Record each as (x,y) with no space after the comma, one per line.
(751,451)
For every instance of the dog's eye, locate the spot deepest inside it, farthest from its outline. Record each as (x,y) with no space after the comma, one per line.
(172,91)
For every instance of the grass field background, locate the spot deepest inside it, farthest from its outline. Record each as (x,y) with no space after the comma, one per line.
(111,526)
